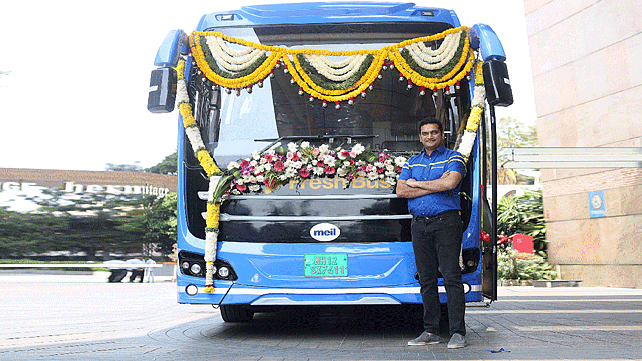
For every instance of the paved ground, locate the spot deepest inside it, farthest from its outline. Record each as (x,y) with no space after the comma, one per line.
(81,317)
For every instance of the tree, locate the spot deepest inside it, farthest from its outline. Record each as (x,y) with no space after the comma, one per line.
(161,222)
(91,222)
(513,133)
(166,166)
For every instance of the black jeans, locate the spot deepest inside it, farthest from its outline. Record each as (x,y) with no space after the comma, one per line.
(437,243)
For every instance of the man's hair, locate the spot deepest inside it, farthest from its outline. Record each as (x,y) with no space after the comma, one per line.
(431,120)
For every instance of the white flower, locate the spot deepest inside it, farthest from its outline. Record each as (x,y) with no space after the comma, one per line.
(467,142)
(282,177)
(378,164)
(290,172)
(324,149)
(260,178)
(361,173)
(256,155)
(181,95)
(305,145)
(267,166)
(255,188)
(254,163)
(258,169)
(252,179)
(342,172)
(292,147)
(235,191)
(373,176)
(358,148)
(329,160)
(390,168)
(400,161)
(297,164)
(318,171)
(233,165)
(240,181)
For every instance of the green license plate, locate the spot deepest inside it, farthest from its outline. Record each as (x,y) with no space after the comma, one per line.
(326,265)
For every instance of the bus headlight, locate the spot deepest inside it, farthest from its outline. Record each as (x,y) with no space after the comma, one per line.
(195,268)
(185,265)
(223,272)
(466,288)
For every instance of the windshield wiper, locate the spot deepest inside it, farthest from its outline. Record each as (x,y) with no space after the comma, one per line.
(313,137)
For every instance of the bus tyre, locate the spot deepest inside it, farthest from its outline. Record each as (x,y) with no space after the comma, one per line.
(236,313)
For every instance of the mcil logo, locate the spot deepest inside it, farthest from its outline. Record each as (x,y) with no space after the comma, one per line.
(325,232)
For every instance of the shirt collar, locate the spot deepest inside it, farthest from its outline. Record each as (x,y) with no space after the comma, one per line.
(440,150)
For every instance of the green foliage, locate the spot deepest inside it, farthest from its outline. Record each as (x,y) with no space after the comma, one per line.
(511,267)
(166,166)
(524,214)
(511,133)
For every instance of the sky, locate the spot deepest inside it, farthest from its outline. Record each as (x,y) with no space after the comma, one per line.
(76,97)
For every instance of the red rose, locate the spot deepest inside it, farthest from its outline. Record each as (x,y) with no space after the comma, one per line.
(304,172)
(329,170)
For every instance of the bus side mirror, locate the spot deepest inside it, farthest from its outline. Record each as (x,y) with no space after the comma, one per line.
(497,83)
(162,90)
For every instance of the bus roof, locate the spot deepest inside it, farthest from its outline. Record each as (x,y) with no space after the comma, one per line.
(327,12)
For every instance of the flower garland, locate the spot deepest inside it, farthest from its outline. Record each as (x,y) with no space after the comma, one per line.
(334,71)
(302,161)
(433,60)
(211,169)
(472,124)
(329,80)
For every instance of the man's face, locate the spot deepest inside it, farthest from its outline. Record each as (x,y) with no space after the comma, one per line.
(431,137)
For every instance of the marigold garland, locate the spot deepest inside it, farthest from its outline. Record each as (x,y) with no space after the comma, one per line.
(467,140)
(313,82)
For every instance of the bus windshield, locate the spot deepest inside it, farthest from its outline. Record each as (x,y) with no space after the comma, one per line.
(385,117)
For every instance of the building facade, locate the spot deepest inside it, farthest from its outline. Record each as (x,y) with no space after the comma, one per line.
(588,91)
(16,182)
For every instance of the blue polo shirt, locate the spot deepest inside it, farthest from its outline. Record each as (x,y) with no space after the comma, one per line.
(423,167)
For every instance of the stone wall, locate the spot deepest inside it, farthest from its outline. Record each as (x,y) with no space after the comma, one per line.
(588,92)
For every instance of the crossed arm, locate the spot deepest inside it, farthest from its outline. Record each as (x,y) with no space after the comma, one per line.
(413,188)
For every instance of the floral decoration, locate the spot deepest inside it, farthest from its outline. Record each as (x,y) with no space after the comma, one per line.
(303,161)
(465,143)
(334,80)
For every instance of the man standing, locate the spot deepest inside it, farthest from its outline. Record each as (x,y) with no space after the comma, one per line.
(431,180)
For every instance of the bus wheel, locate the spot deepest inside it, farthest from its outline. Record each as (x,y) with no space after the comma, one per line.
(236,313)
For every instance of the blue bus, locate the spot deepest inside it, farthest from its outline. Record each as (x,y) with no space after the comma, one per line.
(294,122)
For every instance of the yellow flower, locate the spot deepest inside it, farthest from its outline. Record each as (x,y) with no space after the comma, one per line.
(207,162)
(180,69)
(213,212)
(186,112)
